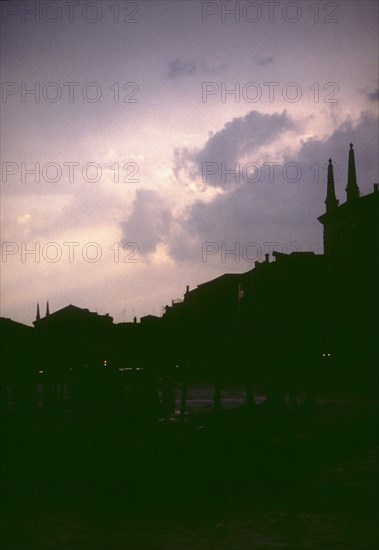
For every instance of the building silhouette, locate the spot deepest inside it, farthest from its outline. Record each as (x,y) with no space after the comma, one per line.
(303,321)
(351,228)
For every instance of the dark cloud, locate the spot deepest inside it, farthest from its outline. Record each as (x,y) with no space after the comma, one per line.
(374,96)
(263,61)
(371,96)
(239,137)
(282,211)
(363,135)
(150,221)
(177,68)
(264,212)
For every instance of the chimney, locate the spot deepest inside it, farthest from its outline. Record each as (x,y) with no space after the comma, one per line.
(267,258)
(188,285)
(135,320)
(375,187)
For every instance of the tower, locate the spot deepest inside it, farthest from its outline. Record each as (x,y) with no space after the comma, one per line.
(328,219)
(38,316)
(331,201)
(352,188)
(351,229)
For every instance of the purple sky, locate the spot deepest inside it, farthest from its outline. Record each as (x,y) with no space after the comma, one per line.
(135,127)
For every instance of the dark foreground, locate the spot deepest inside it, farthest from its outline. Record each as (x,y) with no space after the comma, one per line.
(242,479)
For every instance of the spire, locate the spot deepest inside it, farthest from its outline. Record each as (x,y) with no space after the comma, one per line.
(352,188)
(331,201)
(38,316)
(47,308)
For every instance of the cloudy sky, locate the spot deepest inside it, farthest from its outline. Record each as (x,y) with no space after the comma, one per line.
(162,136)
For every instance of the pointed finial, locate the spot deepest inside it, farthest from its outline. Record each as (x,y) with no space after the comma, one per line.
(351,145)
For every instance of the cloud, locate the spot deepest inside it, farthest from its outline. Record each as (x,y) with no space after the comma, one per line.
(149,223)
(240,137)
(364,136)
(374,96)
(280,211)
(177,68)
(263,61)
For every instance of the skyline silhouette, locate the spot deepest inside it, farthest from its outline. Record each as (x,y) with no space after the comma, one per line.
(153,170)
(310,305)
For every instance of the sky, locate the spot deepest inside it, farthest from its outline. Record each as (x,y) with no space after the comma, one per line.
(151,145)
